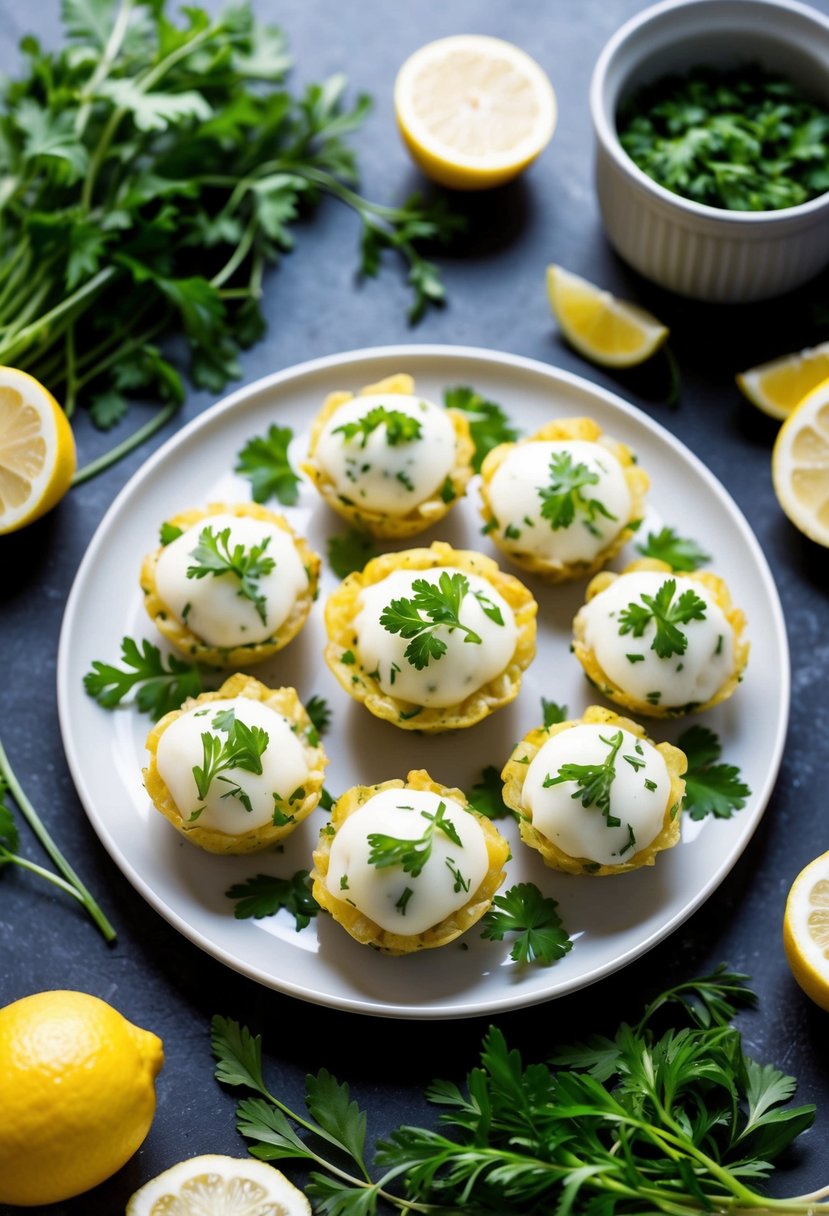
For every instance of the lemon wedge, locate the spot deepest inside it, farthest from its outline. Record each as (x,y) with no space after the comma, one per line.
(599,326)
(778,386)
(806,930)
(221,1186)
(37,450)
(800,465)
(473,111)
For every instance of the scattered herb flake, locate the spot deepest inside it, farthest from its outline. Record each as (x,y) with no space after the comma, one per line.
(525,911)
(679,552)
(264,462)
(266,894)
(158,688)
(489,425)
(710,788)
(350,551)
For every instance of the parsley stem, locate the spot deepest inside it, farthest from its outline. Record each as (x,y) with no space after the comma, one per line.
(119,30)
(41,871)
(122,449)
(38,827)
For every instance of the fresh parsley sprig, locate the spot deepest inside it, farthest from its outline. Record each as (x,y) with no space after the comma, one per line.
(679,552)
(430,607)
(710,788)
(594,782)
(399,426)
(66,879)
(265,462)
(486,795)
(698,1119)
(489,424)
(411,854)
(266,894)
(242,747)
(564,498)
(213,556)
(158,688)
(534,917)
(667,615)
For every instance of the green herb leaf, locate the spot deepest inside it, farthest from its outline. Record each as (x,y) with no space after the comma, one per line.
(411,854)
(265,895)
(486,796)
(158,688)
(350,551)
(667,614)
(710,788)
(264,461)
(552,713)
(563,500)
(525,911)
(431,606)
(213,556)
(242,747)
(319,711)
(399,427)
(594,782)
(489,425)
(679,552)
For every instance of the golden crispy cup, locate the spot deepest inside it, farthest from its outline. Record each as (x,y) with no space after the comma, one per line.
(717,588)
(367,931)
(586,429)
(378,523)
(189,643)
(284,701)
(515,772)
(344,605)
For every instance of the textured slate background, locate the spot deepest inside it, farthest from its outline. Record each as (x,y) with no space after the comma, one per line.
(495,281)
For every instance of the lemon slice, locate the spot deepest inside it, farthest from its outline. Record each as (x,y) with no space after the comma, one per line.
(213,1185)
(37,450)
(800,465)
(806,930)
(598,325)
(473,110)
(778,386)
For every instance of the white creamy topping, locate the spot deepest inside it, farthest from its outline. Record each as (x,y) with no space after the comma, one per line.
(395,899)
(211,606)
(375,469)
(284,768)
(527,478)
(463,668)
(638,797)
(633,664)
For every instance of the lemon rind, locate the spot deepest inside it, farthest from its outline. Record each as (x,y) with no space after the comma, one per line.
(514,774)
(284,701)
(343,606)
(582,428)
(365,930)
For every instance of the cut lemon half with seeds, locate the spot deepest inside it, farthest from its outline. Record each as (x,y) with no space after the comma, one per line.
(473,110)
(37,450)
(213,1185)
(800,465)
(806,930)
(778,386)
(599,326)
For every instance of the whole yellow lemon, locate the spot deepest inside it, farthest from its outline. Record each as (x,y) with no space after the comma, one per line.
(76,1094)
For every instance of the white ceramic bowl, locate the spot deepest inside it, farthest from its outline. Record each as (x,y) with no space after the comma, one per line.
(700,251)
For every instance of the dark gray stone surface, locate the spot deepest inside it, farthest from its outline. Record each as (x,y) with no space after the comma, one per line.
(495,282)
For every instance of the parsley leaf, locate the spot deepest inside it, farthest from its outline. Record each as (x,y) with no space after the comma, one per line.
(159,689)
(350,551)
(264,461)
(562,500)
(265,894)
(319,711)
(679,552)
(666,615)
(411,854)
(710,788)
(213,555)
(486,795)
(593,781)
(399,426)
(242,747)
(489,425)
(432,605)
(552,713)
(524,910)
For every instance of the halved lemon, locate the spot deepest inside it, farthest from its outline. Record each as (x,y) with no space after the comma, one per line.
(37,450)
(800,465)
(214,1185)
(806,930)
(473,111)
(778,386)
(599,326)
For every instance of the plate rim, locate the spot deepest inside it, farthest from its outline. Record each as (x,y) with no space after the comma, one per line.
(420,351)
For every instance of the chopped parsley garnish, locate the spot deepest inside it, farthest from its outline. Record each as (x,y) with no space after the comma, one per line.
(430,607)
(159,689)
(213,556)
(524,910)
(411,855)
(265,895)
(319,711)
(400,427)
(710,788)
(666,614)
(264,461)
(242,747)
(350,551)
(168,532)
(593,781)
(552,713)
(489,425)
(562,500)
(679,552)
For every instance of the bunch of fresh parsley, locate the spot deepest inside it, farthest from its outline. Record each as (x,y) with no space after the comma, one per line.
(657,1118)
(151,171)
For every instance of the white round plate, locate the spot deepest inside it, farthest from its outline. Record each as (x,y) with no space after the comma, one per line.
(611,920)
